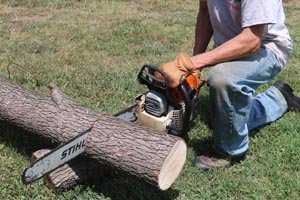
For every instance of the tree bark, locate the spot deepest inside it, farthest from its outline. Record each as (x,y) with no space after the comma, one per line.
(155,157)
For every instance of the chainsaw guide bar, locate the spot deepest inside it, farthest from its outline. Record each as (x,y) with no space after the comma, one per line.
(55,158)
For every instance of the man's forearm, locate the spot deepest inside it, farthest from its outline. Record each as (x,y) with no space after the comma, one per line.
(242,45)
(203,32)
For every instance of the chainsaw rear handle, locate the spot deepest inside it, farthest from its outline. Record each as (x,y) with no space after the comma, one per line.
(187,113)
(146,76)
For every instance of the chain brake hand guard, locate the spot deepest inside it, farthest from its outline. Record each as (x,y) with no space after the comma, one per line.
(148,76)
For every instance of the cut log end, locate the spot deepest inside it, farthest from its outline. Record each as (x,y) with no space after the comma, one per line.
(172,165)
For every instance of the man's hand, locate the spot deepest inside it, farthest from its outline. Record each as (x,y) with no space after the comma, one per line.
(177,68)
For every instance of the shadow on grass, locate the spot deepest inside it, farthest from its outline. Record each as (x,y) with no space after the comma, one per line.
(24,142)
(119,186)
(116,186)
(202,112)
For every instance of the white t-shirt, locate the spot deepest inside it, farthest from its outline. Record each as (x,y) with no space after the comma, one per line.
(228,17)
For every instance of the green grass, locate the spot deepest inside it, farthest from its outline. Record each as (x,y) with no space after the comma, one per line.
(93,50)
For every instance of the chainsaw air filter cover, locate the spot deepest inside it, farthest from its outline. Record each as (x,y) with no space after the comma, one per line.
(156,104)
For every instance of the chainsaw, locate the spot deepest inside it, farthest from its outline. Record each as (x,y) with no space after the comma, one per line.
(167,110)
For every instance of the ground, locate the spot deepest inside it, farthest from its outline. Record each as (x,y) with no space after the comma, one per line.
(93,50)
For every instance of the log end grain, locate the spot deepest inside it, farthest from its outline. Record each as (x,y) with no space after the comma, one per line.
(172,165)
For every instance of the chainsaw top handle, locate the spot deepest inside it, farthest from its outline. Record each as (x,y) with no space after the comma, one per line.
(149,74)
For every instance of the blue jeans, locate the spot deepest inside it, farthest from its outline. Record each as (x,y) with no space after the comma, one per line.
(234,108)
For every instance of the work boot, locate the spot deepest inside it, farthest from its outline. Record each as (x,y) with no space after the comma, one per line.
(216,160)
(293,101)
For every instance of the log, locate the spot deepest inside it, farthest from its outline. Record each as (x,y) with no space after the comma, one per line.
(139,151)
(71,174)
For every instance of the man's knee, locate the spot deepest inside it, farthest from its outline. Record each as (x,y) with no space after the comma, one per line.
(219,77)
